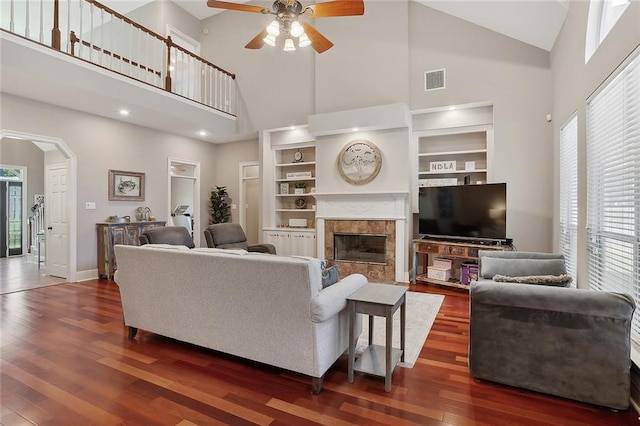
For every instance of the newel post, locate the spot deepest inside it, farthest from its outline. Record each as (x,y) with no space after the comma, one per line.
(55,31)
(167,80)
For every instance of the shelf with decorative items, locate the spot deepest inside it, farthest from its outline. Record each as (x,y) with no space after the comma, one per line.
(295,184)
(452,158)
(289,179)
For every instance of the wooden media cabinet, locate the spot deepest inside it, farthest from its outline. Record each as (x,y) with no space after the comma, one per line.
(424,251)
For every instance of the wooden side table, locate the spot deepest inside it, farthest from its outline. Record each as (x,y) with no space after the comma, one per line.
(377,300)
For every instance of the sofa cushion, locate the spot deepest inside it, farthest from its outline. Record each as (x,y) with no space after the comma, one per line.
(491,266)
(562,280)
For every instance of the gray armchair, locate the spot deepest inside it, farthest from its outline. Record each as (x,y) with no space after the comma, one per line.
(174,235)
(232,236)
(560,341)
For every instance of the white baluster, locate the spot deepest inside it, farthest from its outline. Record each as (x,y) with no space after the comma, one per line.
(26,27)
(81,33)
(68,29)
(41,35)
(12,26)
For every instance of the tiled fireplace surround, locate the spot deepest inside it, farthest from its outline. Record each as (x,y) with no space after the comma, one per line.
(374,272)
(365,213)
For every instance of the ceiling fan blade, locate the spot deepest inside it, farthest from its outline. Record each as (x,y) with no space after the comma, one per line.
(319,42)
(256,42)
(236,6)
(335,8)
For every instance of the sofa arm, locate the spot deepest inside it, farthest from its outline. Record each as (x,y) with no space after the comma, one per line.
(333,299)
(553,299)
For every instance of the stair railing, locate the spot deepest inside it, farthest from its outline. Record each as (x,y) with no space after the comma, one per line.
(97,34)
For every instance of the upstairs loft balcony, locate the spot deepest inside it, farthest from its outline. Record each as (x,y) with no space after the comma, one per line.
(82,55)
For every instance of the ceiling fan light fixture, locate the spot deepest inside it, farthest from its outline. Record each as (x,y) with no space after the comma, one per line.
(270,39)
(296,29)
(289,46)
(304,41)
(273,28)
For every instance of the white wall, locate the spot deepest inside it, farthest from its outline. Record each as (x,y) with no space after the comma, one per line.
(157,14)
(369,63)
(379,59)
(484,66)
(228,171)
(101,144)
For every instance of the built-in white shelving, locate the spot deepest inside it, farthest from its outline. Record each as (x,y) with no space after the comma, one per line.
(288,218)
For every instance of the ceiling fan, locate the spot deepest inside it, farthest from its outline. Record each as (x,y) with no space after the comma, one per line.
(287,22)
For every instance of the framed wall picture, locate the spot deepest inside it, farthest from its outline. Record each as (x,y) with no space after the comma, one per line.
(126,186)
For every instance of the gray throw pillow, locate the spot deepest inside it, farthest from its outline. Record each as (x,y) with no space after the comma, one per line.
(562,280)
(329,274)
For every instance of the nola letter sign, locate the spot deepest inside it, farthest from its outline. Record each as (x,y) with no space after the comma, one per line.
(442,166)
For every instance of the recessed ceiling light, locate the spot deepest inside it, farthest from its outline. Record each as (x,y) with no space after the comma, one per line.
(355,129)
(452,107)
(292,127)
(203,133)
(124,112)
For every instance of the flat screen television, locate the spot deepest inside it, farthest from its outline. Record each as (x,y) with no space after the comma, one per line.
(469,212)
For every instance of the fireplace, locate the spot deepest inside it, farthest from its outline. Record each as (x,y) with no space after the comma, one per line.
(364,247)
(384,213)
(359,248)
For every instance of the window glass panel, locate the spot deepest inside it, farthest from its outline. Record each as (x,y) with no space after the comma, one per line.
(10,173)
(569,194)
(613,185)
(612,10)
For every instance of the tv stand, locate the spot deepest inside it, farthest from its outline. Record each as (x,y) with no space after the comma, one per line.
(458,252)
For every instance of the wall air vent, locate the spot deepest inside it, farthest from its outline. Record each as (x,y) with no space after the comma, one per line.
(434,80)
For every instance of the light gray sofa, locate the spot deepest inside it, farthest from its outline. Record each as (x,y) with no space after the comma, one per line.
(561,341)
(266,308)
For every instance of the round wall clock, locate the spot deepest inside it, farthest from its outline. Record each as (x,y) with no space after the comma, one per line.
(359,162)
(301,203)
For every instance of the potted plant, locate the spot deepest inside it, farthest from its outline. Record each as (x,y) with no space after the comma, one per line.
(299,187)
(219,210)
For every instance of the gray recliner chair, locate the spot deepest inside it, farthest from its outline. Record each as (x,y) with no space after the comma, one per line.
(174,235)
(232,236)
(561,341)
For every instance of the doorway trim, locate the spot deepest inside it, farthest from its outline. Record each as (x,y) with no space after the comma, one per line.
(242,198)
(196,194)
(72,167)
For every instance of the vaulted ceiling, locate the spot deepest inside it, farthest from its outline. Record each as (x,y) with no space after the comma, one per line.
(536,22)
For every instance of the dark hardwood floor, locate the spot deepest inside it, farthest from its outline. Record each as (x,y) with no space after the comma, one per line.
(66,360)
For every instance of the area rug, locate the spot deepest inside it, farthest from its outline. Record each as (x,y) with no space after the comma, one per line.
(422,309)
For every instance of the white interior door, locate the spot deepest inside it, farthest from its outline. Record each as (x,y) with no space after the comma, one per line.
(57,221)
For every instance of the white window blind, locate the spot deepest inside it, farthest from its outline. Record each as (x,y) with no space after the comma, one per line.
(569,194)
(613,185)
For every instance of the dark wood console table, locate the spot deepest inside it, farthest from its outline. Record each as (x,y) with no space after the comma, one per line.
(457,252)
(110,234)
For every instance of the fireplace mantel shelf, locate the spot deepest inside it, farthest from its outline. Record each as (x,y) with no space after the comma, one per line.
(358,194)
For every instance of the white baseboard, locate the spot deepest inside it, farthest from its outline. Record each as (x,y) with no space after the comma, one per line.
(87,275)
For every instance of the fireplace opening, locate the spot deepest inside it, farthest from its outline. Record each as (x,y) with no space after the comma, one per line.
(364,248)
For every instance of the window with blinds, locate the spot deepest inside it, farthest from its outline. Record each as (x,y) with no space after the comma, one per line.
(613,184)
(569,194)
